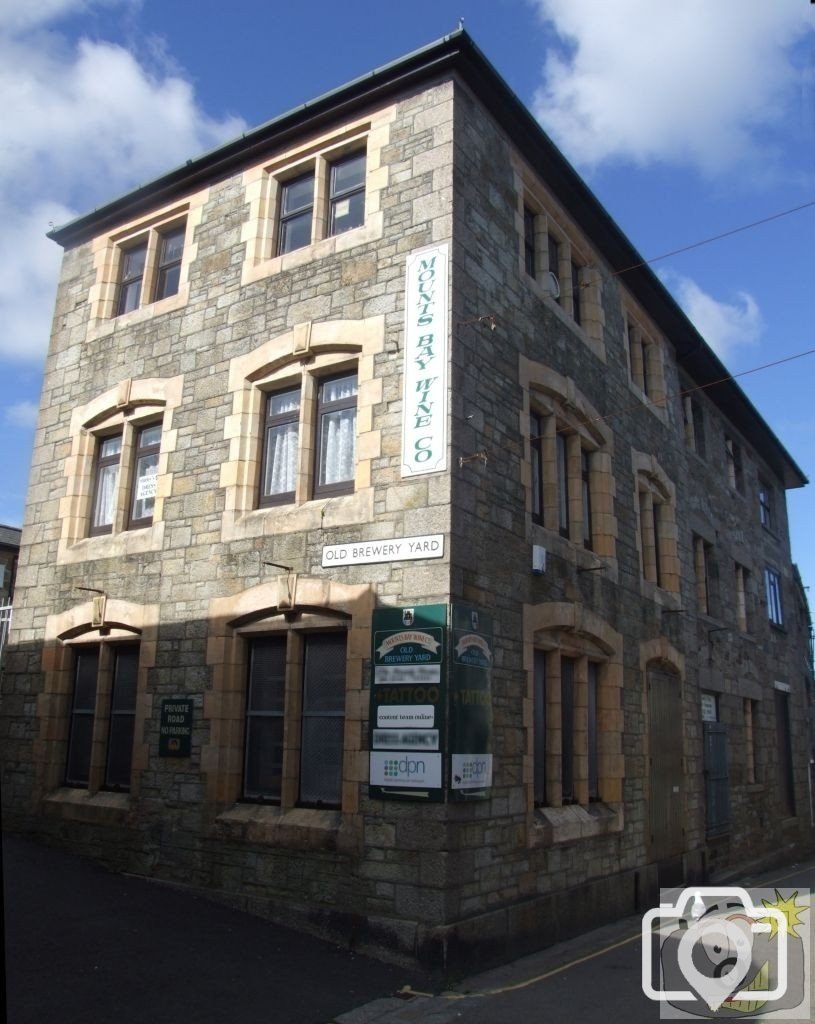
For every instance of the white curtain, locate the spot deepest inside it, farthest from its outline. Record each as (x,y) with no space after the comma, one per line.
(105,496)
(281,459)
(338,446)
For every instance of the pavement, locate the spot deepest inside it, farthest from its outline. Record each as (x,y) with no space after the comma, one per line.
(84,945)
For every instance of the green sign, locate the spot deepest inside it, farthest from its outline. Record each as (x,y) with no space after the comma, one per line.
(408,698)
(175,728)
(470,703)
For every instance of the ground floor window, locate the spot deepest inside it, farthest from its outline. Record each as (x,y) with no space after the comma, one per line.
(103,713)
(295,715)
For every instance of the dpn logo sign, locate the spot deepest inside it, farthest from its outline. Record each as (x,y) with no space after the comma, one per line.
(413,770)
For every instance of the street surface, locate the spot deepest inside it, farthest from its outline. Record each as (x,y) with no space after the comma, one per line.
(83,945)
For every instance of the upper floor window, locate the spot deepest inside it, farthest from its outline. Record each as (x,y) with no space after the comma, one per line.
(765,505)
(346,197)
(141,447)
(694,422)
(328,199)
(336,435)
(296,213)
(530,263)
(704,569)
(328,427)
(735,469)
(772,585)
(562,479)
(645,361)
(281,434)
(659,562)
(150,268)
(550,256)
(742,581)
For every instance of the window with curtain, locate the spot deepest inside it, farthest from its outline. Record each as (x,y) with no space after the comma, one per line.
(336,435)
(108,456)
(281,438)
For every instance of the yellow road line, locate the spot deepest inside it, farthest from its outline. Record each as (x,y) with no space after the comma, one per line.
(407,990)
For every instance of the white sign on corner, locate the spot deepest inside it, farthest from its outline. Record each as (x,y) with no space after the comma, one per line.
(424,396)
(396,549)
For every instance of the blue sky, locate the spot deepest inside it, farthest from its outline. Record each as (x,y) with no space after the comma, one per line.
(687,120)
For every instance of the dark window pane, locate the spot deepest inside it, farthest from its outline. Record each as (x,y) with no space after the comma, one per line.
(535,431)
(86,668)
(172,246)
(321,763)
(267,675)
(562,484)
(295,233)
(129,297)
(120,751)
(347,174)
(347,194)
(79,750)
(554,257)
(529,241)
(297,195)
(122,718)
(585,466)
(168,281)
(567,728)
(125,676)
(263,768)
(264,758)
(323,719)
(130,279)
(539,712)
(576,293)
(594,782)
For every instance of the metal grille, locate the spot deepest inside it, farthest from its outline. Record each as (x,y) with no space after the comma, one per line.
(323,719)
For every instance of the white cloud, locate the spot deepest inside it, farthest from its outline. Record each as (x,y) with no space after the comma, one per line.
(22,414)
(689,82)
(81,123)
(726,326)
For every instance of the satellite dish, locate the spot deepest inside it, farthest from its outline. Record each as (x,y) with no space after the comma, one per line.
(552,285)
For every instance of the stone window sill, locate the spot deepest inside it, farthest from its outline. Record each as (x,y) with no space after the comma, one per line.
(298,828)
(575,822)
(114,545)
(80,805)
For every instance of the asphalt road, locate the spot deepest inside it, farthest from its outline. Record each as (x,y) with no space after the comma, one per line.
(84,946)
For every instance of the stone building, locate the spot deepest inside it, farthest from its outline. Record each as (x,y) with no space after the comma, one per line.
(389,566)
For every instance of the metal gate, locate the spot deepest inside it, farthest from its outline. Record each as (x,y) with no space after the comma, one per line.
(665,764)
(717,782)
